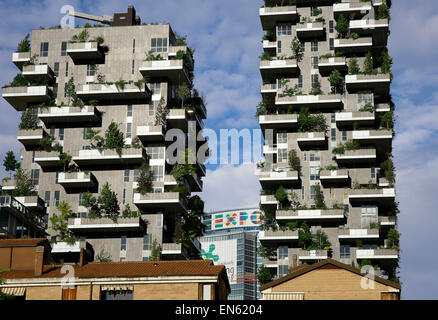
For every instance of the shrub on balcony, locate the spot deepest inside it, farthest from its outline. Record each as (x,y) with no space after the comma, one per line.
(10,163)
(367,108)
(319,197)
(320,242)
(316,88)
(103,256)
(387,170)
(351,145)
(265,57)
(340,149)
(304,236)
(282,197)
(18,81)
(81,37)
(128,213)
(24,45)
(342,26)
(155,251)
(60,223)
(296,48)
(353,66)
(308,122)
(264,275)
(387,121)
(385,61)
(336,82)
(29,120)
(383,12)
(269,36)
(152,56)
(114,138)
(294,161)
(180,40)
(267,252)
(145,179)
(369,64)
(108,202)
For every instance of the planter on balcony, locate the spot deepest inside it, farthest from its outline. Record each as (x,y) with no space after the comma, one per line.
(85,52)
(109,93)
(173,70)
(274,68)
(311,214)
(104,224)
(31,137)
(270,16)
(151,134)
(357,156)
(327,65)
(278,121)
(20,58)
(109,157)
(21,97)
(164,200)
(321,101)
(363,44)
(66,116)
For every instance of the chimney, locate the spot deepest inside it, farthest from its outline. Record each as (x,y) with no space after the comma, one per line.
(39,260)
(294,261)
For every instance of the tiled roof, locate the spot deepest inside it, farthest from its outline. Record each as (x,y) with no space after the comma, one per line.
(302,269)
(21,242)
(127,269)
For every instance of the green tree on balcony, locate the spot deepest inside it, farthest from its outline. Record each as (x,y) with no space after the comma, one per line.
(294,161)
(353,66)
(109,204)
(145,179)
(336,81)
(264,275)
(319,197)
(29,120)
(10,163)
(24,45)
(23,184)
(342,26)
(60,223)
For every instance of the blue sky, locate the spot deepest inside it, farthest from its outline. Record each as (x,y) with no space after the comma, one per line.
(226,35)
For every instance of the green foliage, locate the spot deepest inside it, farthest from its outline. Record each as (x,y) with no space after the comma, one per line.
(385,61)
(60,223)
(128,213)
(23,184)
(24,45)
(265,56)
(18,81)
(161,114)
(316,88)
(320,242)
(114,138)
(342,26)
(267,252)
(336,81)
(120,85)
(340,149)
(387,167)
(352,145)
(308,122)
(282,197)
(264,275)
(103,256)
(269,35)
(319,197)
(382,12)
(152,56)
(394,239)
(266,106)
(316,11)
(144,179)
(100,40)
(353,66)
(292,226)
(180,40)
(367,108)
(304,236)
(369,64)
(81,37)
(294,160)
(296,47)
(90,202)
(155,252)
(183,93)
(354,36)
(109,204)
(387,120)
(29,120)
(10,163)
(64,160)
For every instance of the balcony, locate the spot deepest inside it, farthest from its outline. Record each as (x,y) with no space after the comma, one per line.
(269,148)
(310,30)
(278,121)
(173,70)
(380,138)
(21,97)
(85,52)
(327,65)
(69,116)
(71,180)
(195,182)
(268,200)
(88,225)
(377,28)
(174,251)
(360,45)
(47,159)
(318,102)
(273,178)
(279,236)
(173,50)
(20,58)
(356,8)
(377,254)
(199,105)
(387,221)
(111,94)
(172,201)
(357,156)
(274,68)
(151,134)
(33,203)
(327,215)
(31,137)
(178,118)
(358,234)
(271,264)
(38,72)
(311,138)
(270,46)
(129,156)
(270,16)
(334,176)
(169,180)
(386,195)
(382,182)
(382,107)
(312,255)
(379,83)
(350,118)
(8,184)
(270,88)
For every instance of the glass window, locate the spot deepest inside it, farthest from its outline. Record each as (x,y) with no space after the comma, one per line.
(133,67)
(206,292)
(333,134)
(91,70)
(282,155)
(369,214)
(314,47)
(312,192)
(303,47)
(44,51)
(33,156)
(123,243)
(345,251)
(81,199)
(284,30)
(147,242)
(282,137)
(129,111)
(153,108)
(314,156)
(57,194)
(56,69)
(61,134)
(282,270)
(126,175)
(159,44)
(332,43)
(314,173)
(300,81)
(302,193)
(278,46)
(155,87)
(364,98)
(315,62)
(63,49)
(158,173)
(333,118)
(373,173)
(304,156)
(159,220)
(128,130)
(331,26)
(66,69)
(155,152)
(133,45)
(85,133)
(57,177)
(344,135)
(124,196)
(315,80)
(35,176)
(282,252)
(118,294)
(136,173)
(47,197)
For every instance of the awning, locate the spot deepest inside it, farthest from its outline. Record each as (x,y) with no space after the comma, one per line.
(116,288)
(14,291)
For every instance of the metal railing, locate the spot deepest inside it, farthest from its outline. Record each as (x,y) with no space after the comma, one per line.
(8,201)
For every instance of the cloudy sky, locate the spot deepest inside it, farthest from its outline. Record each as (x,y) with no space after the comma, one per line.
(227,35)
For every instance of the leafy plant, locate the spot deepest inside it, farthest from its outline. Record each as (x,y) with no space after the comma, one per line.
(294,161)
(29,120)
(24,45)
(183,93)
(114,138)
(342,25)
(353,66)
(368,64)
(320,242)
(264,275)
(387,170)
(81,37)
(60,223)
(319,197)
(265,56)
(387,120)
(282,197)
(267,252)
(296,48)
(385,61)
(108,202)
(304,236)
(336,81)
(161,114)
(155,251)
(144,181)
(10,163)
(367,108)
(352,145)
(103,256)
(308,122)
(23,184)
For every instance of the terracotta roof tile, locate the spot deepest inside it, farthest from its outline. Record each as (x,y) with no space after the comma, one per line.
(21,242)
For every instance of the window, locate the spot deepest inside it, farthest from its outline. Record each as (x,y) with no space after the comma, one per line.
(332,43)
(61,134)
(33,156)
(303,47)
(278,46)
(57,193)
(159,44)
(123,243)
(331,26)
(333,118)
(44,51)
(129,111)
(124,196)
(47,197)
(282,270)
(364,98)
(284,30)
(312,192)
(128,130)
(373,173)
(314,47)
(81,199)
(282,155)
(304,156)
(159,220)
(314,173)
(344,135)
(91,70)
(63,49)
(282,252)
(66,69)
(282,137)
(57,177)
(333,134)
(155,87)
(133,45)
(133,67)
(315,80)
(345,251)
(369,215)
(155,152)
(56,69)
(35,176)
(206,292)
(314,156)
(158,173)
(117,295)
(55,90)
(126,175)
(147,242)
(315,62)
(153,108)
(300,81)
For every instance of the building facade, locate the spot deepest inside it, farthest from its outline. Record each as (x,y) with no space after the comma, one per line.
(97,103)
(327,117)
(231,239)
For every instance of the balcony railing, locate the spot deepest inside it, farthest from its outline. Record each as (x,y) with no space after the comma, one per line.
(47,159)
(361,155)
(38,72)
(166,200)
(68,115)
(310,214)
(31,137)
(361,26)
(363,44)
(109,157)
(357,8)
(76,180)
(20,58)
(274,178)
(372,136)
(269,45)
(270,16)
(173,70)
(272,68)
(268,200)
(111,93)
(349,118)
(24,213)
(278,236)
(378,82)
(151,134)
(311,29)
(278,121)
(104,224)
(21,97)
(83,52)
(352,234)
(8,184)
(386,194)
(387,220)
(334,175)
(312,254)
(327,65)
(34,203)
(329,101)
(173,50)
(174,251)
(377,254)
(311,138)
